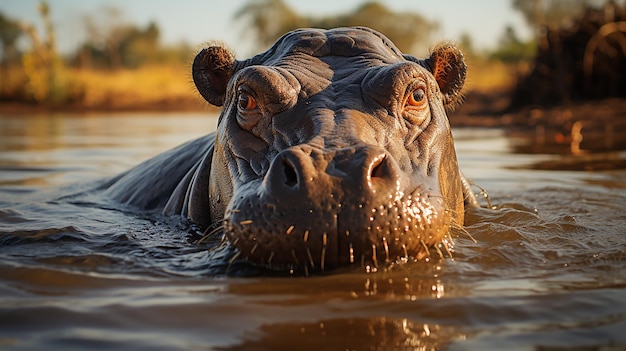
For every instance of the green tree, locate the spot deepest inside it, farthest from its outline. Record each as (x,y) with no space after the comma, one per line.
(113,43)
(105,33)
(511,49)
(10,32)
(42,65)
(139,46)
(267,20)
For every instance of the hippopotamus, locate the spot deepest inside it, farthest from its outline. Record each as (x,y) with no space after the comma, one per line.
(332,148)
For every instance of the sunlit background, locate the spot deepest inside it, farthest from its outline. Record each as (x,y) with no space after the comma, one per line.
(195,21)
(135,55)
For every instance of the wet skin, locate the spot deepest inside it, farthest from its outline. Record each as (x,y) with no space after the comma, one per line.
(332,148)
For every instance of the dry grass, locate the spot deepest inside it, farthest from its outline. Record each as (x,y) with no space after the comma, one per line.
(491,76)
(148,87)
(132,88)
(173,83)
(171,87)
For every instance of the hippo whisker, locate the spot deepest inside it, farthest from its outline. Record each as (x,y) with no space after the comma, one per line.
(212,226)
(374,258)
(223,243)
(406,253)
(234,242)
(470,196)
(232,260)
(295,257)
(446,246)
(439,251)
(426,249)
(458,228)
(386,246)
(254,248)
(308,253)
(207,234)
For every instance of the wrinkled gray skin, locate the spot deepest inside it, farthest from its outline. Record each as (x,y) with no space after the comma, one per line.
(321,157)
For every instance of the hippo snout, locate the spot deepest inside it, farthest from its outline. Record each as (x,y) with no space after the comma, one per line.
(323,209)
(298,174)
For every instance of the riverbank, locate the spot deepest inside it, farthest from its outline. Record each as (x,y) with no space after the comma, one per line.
(479,109)
(148,88)
(174,104)
(169,88)
(164,87)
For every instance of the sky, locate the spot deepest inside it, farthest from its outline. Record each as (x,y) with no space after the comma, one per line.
(198,21)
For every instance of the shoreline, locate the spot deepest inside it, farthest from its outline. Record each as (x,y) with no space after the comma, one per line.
(481,109)
(182,105)
(590,125)
(478,110)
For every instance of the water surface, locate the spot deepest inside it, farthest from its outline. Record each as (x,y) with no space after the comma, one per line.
(544,270)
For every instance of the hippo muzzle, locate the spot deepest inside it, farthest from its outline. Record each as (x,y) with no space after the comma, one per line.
(333,148)
(334,208)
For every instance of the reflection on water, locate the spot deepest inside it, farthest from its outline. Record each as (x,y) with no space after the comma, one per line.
(545,269)
(59,149)
(379,333)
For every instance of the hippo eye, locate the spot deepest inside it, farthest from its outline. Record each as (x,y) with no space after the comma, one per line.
(248,108)
(417,98)
(415,110)
(246,102)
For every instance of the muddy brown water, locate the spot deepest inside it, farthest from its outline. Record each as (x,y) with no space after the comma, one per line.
(545,270)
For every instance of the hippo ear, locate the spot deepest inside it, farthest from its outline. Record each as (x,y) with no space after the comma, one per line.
(211,71)
(447,65)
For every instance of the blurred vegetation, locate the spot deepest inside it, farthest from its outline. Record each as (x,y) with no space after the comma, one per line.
(582,60)
(43,68)
(114,43)
(540,14)
(268,20)
(512,49)
(104,71)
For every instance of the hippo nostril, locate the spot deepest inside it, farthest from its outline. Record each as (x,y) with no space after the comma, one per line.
(377,167)
(291,177)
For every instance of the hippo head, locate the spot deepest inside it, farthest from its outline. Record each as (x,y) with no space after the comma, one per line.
(333,148)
